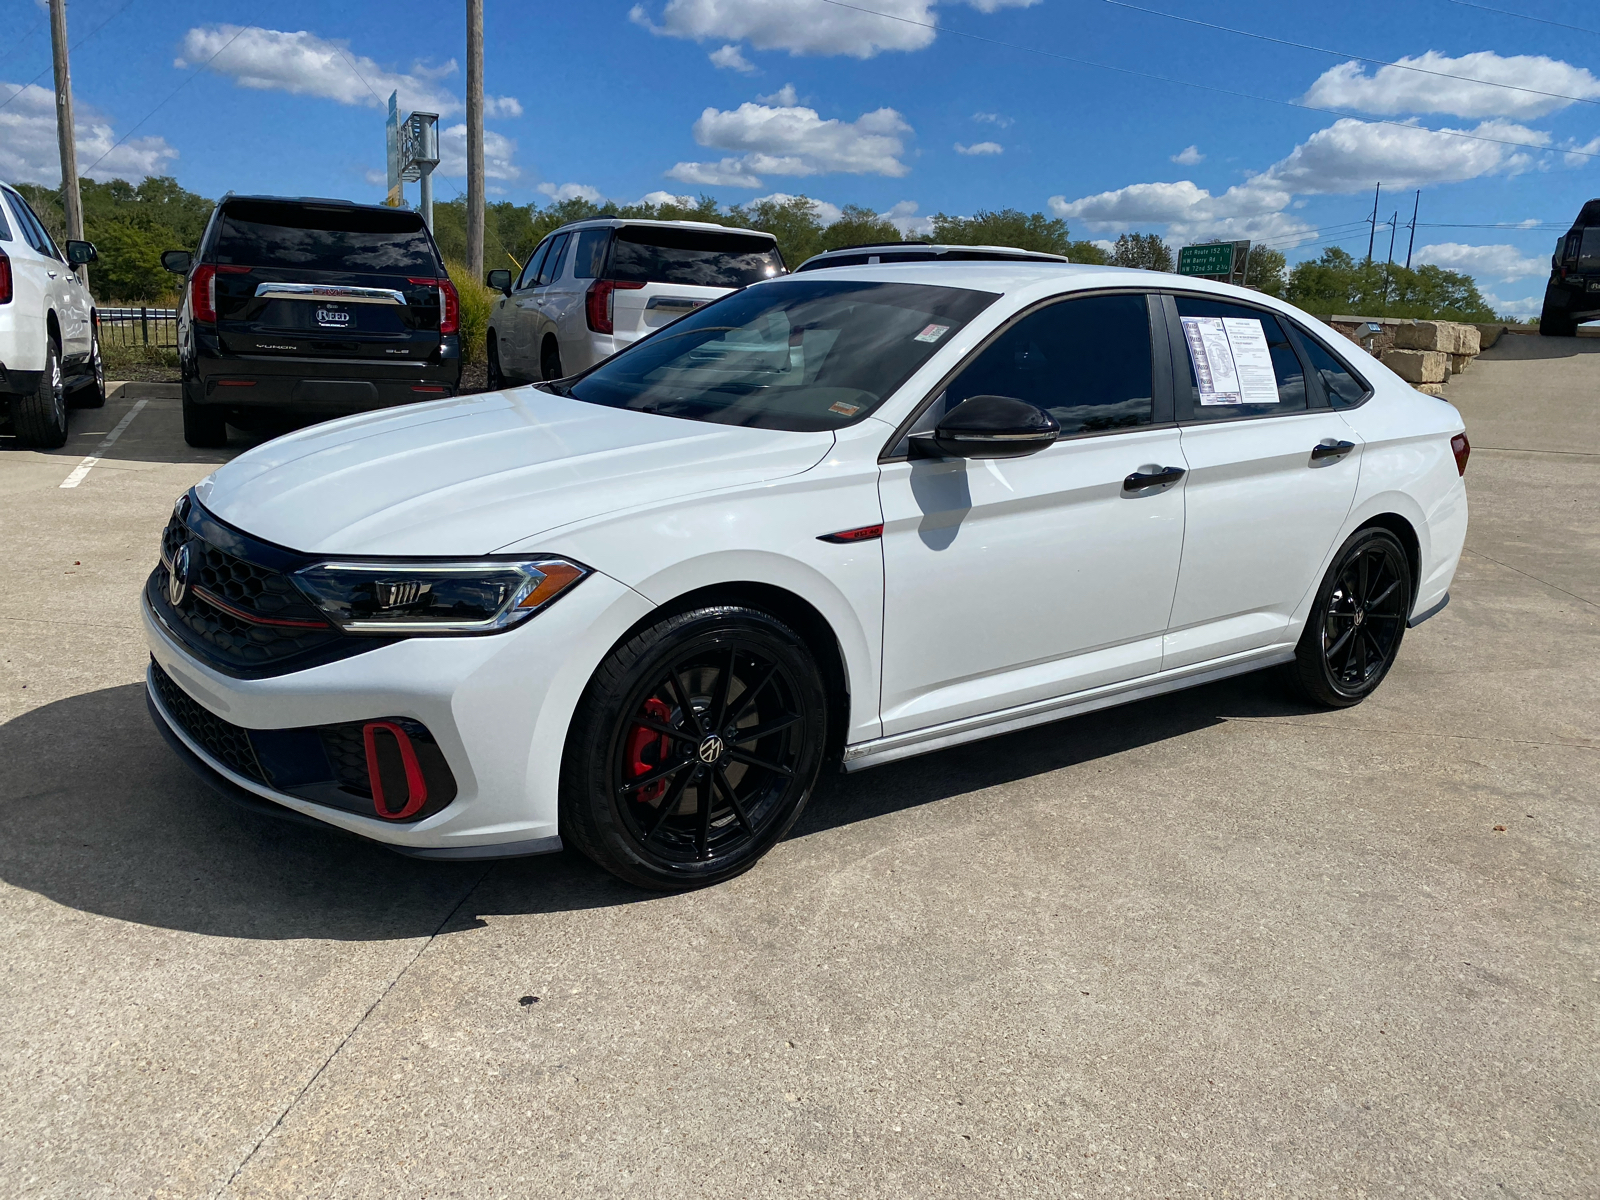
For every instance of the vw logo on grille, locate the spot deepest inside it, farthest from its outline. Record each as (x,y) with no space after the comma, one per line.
(178,577)
(711,749)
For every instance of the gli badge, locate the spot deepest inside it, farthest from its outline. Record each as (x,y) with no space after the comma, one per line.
(178,577)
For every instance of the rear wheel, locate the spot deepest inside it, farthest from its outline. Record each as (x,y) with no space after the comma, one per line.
(694,748)
(206,428)
(550,359)
(1357,623)
(40,416)
(1554,322)
(91,392)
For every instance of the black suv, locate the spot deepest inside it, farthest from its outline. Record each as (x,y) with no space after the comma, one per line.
(314,308)
(1573,293)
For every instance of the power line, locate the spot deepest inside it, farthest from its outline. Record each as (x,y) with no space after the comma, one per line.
(1525,17)
(1205,87)
(75,47)
(1382,62)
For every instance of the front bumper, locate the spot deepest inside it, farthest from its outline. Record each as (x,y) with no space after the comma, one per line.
(498,707)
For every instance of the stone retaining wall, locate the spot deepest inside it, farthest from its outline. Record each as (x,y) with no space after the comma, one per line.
(1426,354)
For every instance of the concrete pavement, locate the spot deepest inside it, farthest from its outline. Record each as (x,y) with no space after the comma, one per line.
(1212,944)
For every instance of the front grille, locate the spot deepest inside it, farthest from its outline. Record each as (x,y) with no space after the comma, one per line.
(326,764)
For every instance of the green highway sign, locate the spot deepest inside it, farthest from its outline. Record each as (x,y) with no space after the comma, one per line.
(1216,258)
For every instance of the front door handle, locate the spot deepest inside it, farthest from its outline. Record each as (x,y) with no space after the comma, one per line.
(1328,448)
(1159,477)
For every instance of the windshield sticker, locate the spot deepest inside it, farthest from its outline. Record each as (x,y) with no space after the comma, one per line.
(932,333)
(843,409)
(1232,362)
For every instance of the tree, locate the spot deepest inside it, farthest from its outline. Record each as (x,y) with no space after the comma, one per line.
(1008,227)
(1266,270)
(1087,252)
(1147,251)
(794,222)
(858,227)
(1335,284)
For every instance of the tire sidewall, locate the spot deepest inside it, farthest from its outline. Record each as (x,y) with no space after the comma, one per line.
(591,807)
(1311,641)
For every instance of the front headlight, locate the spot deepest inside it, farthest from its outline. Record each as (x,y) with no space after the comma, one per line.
(435,597)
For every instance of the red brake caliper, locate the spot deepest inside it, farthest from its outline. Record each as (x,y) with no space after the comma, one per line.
(648,749)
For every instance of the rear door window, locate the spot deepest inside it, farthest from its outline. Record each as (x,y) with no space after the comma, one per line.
(1086,362)
(314,238)
(1239,361)
(33,230)
(692,257)
(552,260)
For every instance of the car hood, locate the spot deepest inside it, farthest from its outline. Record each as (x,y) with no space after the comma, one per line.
(476,473)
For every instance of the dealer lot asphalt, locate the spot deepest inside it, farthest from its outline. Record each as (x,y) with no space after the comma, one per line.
(1210,944)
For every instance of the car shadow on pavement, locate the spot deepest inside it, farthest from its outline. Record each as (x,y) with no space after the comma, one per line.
(98,815)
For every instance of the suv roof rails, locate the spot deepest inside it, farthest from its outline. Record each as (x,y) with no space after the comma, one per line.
(872,246)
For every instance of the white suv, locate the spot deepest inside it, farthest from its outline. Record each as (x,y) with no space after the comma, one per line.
(593,287)
(49,351)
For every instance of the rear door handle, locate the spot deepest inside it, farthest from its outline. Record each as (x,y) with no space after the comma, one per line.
(1149,479)
(1331,449)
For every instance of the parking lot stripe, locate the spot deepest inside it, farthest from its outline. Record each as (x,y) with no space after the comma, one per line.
(83,468)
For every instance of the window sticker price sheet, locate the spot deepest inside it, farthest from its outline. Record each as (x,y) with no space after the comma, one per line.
(1232,362)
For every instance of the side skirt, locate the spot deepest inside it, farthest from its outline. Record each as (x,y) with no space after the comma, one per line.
(971,729)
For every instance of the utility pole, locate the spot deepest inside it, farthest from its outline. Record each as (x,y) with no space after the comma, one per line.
(1394,225)
(1411,245)
(1372,223)
(475,138)
(66,136)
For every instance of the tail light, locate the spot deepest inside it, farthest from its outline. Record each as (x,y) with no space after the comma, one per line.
(598,302)
(1461,448)
(203,293)
(449,303)
(5,278)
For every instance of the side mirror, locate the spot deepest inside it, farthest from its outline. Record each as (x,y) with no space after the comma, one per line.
(79,253)
(177,261)
(500,281)
(989,427)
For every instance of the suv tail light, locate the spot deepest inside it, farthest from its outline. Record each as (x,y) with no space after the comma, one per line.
(598,302)
(5,278)
(449,303)
(1461,448)
(203,293)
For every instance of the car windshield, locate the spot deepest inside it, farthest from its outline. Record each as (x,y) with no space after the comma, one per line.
(795,354)
(324,238)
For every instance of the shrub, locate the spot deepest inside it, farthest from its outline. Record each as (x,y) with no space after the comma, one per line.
(476,302)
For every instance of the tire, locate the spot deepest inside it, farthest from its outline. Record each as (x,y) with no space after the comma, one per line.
(40,416)
(550,360)
(1555,323)
(496,377)
(1357,623)
(91,393)
(204,428)
(661,791)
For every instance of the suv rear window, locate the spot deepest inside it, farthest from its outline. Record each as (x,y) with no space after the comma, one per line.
(1589,250)
(318,238)
(642,254)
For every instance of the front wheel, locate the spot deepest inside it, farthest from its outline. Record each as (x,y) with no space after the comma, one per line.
(91,392)
(1357,623)
(694,748)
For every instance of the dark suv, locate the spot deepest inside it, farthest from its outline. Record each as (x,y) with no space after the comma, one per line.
(313,308)
(1573,293)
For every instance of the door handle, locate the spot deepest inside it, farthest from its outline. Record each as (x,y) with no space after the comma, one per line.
(1328,448)
(1160,477)
(52,274)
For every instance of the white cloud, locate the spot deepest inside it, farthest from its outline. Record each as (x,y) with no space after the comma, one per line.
(570,191)
(1189,211)
(1105,244)
(502,106)
(1394,90)
(303,64)
(659,198)
(731,58)
(980,148)
(30,153)
(784,97)
(1498,262)
(1582,158)
(1189,156)
(1528,306)
(994,119)
(498,151)
(795,141)
(806,26)
(903,216)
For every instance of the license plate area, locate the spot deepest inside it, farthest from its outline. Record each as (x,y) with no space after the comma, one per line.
(331,318)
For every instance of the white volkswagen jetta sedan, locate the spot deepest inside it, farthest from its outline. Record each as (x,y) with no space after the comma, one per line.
(851,515)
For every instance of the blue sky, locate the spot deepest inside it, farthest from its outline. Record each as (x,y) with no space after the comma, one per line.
(748,98)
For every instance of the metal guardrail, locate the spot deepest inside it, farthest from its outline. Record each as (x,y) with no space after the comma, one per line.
(139,327)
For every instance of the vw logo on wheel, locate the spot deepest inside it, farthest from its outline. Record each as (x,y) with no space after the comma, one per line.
(711,750)
(178,577)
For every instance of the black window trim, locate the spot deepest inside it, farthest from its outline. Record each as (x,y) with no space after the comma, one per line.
(535,257)
(1161,373)
(558,238)
(1299,334)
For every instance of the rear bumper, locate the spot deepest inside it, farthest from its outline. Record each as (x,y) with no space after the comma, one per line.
(1575,298)
(310,385)
(18,383)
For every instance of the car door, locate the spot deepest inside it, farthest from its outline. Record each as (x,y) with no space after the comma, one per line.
(513,318)
(536,317)
(1013,581)
(1272,475)
(67,296)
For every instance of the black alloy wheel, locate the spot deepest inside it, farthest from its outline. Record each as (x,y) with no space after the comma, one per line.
(496,377)
(1358,621)
(694,748)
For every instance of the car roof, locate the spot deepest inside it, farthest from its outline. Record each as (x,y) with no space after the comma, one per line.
(321,201)
(941,248)
(617,222)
